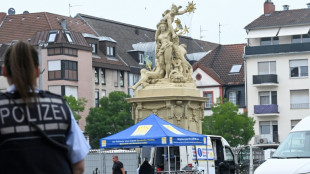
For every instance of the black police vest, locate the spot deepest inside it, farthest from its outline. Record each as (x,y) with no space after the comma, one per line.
(33,139)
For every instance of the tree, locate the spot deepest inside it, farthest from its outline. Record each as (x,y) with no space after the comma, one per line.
(113,115)
(76,105)
(225,121)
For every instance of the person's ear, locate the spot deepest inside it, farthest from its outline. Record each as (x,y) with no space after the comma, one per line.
(4,71)
(37,71)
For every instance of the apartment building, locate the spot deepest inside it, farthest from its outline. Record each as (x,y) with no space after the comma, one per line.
(220,74)
(277,76)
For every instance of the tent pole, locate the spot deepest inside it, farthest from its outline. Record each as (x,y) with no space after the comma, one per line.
(168,160)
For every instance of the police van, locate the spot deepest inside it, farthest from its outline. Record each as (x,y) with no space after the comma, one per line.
(215,158)
(293,154)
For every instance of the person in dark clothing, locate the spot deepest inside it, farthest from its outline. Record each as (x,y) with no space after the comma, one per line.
(118,167)
(146,168)
(38,131)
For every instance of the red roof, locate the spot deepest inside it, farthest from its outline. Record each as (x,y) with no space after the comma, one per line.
(24,26)
(219,62)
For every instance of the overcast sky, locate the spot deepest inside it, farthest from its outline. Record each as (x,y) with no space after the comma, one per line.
(232,15)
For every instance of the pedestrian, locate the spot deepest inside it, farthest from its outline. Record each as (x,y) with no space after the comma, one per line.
(118,167)
(38,133)
(146,168)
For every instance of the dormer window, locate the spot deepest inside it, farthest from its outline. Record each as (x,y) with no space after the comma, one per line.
(68,35)
(110,51)
(94,47)
(141,59)
(235,68)
(52,37)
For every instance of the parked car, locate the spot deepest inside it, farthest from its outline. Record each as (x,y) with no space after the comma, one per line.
(293,154)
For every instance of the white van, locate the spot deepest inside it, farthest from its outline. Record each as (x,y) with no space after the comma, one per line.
(215,158)
(293,154)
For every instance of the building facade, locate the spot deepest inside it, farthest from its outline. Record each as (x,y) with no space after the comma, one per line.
(277,76)
(220,74)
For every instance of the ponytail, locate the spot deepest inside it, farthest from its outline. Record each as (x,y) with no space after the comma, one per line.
(21,61)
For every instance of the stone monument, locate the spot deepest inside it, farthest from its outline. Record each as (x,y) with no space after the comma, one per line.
(168,90)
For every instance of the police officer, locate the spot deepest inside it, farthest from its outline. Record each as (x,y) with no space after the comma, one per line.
(38,133)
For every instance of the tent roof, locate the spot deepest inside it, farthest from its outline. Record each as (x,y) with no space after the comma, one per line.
(150,132)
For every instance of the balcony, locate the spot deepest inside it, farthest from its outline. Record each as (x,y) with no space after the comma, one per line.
(265,80)
(273,49)
(266,110)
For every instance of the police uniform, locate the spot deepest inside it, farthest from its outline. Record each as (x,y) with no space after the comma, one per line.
(34,139)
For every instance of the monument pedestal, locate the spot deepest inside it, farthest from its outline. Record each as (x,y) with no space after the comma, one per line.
(177,103)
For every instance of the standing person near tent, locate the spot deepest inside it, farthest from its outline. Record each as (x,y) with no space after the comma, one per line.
(118,167)
(38,131)
(146,168)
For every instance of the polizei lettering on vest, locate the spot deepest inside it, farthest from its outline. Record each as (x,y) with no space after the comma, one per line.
(18,114)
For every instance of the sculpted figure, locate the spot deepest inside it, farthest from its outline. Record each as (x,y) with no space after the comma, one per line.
(170,62)
(164,47)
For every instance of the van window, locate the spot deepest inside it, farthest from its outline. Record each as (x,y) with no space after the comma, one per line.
(296,145)
(229,155)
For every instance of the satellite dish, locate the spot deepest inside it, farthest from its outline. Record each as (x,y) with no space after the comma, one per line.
(11,11)
(26,12)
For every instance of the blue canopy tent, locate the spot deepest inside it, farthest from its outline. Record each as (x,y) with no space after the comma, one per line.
(153,132)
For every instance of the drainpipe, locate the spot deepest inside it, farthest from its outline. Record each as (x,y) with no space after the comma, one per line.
(245,81)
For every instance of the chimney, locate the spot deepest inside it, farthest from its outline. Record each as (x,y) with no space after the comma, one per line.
(285,7)
(308,5)
(63,24)
(269,7)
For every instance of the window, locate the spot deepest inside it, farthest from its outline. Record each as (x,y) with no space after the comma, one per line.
(103,93)
(136,78)
(299,68)
(97,97)
(232,96)
(235,68)
(94,48)
(70,90)
(296,39)
(209,96)
(266,67)
(68,35)
(96,74)
(293,123)
(141,59)
(70,71)
(301,38)
(110,51)
(54,70)
(269,41)
(55,89)
(265,41)
(265,127)
(115,78)
(60,51)
(121,78)
(267,97)
(299,99)
(102,76)
(198,77)
(52,37)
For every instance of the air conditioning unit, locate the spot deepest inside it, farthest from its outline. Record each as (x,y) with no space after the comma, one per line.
(263,141)
(256,139)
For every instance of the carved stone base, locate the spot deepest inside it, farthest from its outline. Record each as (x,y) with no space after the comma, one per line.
(181,106)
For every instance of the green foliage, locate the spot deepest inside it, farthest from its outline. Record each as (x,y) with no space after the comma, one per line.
(113,115)
(225,121)
(76,105)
